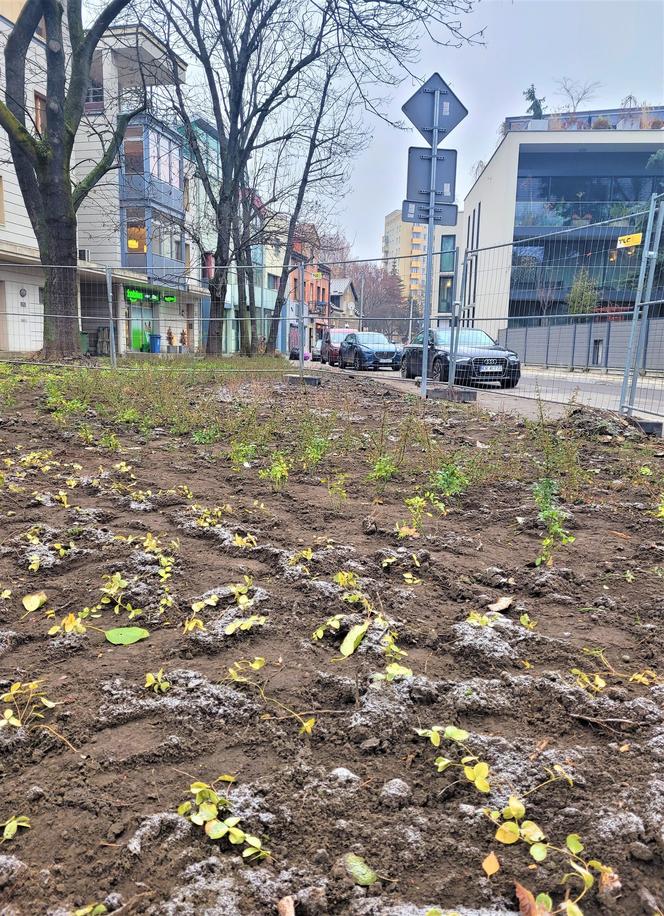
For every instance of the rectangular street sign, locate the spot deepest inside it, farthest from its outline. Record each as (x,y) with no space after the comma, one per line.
(418,184)
(414,211)
(420,107)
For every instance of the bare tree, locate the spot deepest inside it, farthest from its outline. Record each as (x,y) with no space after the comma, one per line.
(42,152)
(385,308)
(256,57)
(575,92)
(546,297)
(630,101)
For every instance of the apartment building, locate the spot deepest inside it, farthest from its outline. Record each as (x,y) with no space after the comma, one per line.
(555,197)
(404,250)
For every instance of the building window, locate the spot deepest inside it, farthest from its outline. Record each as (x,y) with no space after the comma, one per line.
(133,151)
(448,244)
(185,194)
(272,281)
(166,237)
(136,233)
(165,159)
(40,113)
(445,289)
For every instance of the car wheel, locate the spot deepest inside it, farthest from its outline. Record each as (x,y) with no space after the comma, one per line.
(404,369)
(357,363)
(437,371)
(509,382)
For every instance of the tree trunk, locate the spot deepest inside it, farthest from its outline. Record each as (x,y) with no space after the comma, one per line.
(275,324)
(215,339)
(59,256)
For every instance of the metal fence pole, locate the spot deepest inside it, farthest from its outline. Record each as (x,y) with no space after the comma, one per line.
(111,323)
(630,358)
(548,344)
(455,328)
(590,335)
(649,256)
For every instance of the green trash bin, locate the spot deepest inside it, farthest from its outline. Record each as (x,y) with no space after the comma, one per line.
(85,342)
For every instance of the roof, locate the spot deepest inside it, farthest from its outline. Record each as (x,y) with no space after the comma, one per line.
(338,287)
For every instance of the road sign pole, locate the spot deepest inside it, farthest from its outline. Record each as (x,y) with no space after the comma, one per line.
(428,286)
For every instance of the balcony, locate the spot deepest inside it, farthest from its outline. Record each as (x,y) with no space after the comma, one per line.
(148,190)
(550,214)
(647,118)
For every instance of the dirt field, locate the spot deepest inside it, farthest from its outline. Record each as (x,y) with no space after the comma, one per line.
(390,525)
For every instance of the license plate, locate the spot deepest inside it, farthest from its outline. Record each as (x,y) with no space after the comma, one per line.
(490,369)
(385,360)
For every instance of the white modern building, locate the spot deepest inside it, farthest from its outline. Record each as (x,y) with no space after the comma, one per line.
(549,207)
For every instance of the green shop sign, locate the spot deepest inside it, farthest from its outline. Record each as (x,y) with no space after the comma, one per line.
(142,295)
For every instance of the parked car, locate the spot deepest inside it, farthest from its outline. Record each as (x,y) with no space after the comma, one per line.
(368,350)
(329,351)
(479,359)
(315,352)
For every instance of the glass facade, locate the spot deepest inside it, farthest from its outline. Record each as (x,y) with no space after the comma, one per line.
(568,200)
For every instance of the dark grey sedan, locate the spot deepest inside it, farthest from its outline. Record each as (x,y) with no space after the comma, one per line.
(479,359)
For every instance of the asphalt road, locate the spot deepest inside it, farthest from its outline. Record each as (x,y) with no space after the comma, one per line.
(557,388)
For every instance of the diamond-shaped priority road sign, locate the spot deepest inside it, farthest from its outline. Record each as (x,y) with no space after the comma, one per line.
(418,186)
(414,211)
(419,109)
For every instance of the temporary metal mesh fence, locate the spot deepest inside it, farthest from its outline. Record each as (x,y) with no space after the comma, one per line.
(578,311)
(569,316)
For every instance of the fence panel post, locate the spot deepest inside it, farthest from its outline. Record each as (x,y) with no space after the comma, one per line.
(632,347)
(649,258)
(111,321)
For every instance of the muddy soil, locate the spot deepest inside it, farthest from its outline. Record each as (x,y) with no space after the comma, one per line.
(102,774)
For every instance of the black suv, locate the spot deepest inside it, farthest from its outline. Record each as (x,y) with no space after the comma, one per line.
(479,359)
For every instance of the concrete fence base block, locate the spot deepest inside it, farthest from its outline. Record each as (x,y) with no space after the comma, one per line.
(313,380)
(651,427)
(456,394)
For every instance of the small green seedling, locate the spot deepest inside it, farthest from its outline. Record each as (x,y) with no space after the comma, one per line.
(476,619)
(277,472)
(449,480)
(526,621)
(244,541)
(384,469)
(476,771)
(331,625)
(552,515)
(156,682)
(244,624)
(205,811)
(394,671)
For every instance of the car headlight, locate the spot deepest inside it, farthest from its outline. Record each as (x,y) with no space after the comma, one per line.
(463,359)
(513,358)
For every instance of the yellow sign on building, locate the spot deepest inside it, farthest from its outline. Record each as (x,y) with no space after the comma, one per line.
(629,241)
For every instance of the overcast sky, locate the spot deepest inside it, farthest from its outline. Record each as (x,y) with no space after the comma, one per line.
(617,42)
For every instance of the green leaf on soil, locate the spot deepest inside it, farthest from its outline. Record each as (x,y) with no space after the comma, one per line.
(359,871)
(126,636)
(545,901)
(508,833)
(539,851)
(353,638)
(574,843)
(456,734)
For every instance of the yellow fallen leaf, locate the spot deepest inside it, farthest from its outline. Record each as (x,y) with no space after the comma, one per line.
(34,602)
(491,864)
